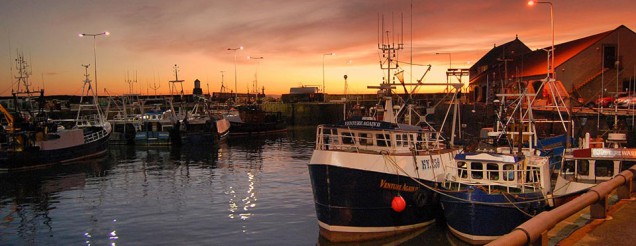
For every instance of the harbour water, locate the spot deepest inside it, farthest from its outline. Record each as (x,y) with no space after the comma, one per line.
(247,191)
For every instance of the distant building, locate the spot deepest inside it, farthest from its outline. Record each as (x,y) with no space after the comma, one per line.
(583,67)
(197,88)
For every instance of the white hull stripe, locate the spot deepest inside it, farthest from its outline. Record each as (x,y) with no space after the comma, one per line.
(354,229)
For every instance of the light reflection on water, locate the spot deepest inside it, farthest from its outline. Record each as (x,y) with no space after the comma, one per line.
(249,190)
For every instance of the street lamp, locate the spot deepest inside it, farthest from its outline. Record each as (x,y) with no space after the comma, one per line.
(94,51)
(259,58)
(235,83)
(323,71)
(532,3)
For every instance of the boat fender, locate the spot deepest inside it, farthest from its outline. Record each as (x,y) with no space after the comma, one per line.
(420,197)
(398,204)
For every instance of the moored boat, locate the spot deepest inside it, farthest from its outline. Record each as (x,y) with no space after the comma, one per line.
(486,195)
(595,162)
(374,176)
(30,139)
(360,167)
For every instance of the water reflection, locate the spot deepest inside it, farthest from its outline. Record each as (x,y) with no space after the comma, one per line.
(27,198)
(435,234)
(246,191)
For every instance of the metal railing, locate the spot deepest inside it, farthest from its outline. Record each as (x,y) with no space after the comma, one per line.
(536,229)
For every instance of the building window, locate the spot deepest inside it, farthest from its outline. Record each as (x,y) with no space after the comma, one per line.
(609,56)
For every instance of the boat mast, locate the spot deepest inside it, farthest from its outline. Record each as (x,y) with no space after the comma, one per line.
(389,50)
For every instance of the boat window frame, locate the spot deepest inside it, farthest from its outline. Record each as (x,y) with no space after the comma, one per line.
(509,173)
(602,163)
(475,169)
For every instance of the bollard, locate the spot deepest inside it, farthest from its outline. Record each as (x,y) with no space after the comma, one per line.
(598,210)
(624,191)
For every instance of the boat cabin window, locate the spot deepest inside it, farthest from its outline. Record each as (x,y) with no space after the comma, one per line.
(568,169)
(604,168)
(401,140)
(627,164)
(532,175)
(462,169)
(330,136)
(383,140)
(492,170)
(347,138)
(509,173)
(583,167)
(365,139)
(477,170)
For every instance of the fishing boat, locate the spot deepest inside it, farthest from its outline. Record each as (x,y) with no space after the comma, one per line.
(597,161)
(371,175)
(486,195)
(203,125)
(505,180)
(157,123)
(124,115)
(29,139)
(253,120)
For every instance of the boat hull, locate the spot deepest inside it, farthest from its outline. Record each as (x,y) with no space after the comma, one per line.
(35,158)
(478,217)
(354,203)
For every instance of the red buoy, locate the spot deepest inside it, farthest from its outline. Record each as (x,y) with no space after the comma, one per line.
(398,204)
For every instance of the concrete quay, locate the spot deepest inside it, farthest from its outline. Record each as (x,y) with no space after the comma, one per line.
(619,228)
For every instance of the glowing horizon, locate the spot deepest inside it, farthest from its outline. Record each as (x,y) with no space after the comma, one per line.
(148,38)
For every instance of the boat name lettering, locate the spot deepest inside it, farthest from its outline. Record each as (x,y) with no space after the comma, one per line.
(375,124)
(399,187)
(426,164)
(624,153)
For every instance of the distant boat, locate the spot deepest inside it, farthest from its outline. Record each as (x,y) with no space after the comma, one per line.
(29,139)
(157,124)
(203,125)
(253,120)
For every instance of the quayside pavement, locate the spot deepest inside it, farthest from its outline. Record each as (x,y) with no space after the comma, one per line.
(619,228)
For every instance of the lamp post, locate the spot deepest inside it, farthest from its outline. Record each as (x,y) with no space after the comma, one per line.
(94,51)
(532,3)
(235,76)
(259,58)
(323,71)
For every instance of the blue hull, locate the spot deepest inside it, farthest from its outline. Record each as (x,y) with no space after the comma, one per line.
(358,201)
(488,216)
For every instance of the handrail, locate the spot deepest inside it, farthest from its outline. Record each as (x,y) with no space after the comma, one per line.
(537,227)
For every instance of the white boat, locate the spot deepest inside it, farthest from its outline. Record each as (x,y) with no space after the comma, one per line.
(595,162)
(371,176)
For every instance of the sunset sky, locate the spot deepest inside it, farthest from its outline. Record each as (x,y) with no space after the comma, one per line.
(148,37)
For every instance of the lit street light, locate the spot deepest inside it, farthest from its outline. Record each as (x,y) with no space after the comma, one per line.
(532,3)
(323,71)
(235,77)
(94,51)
